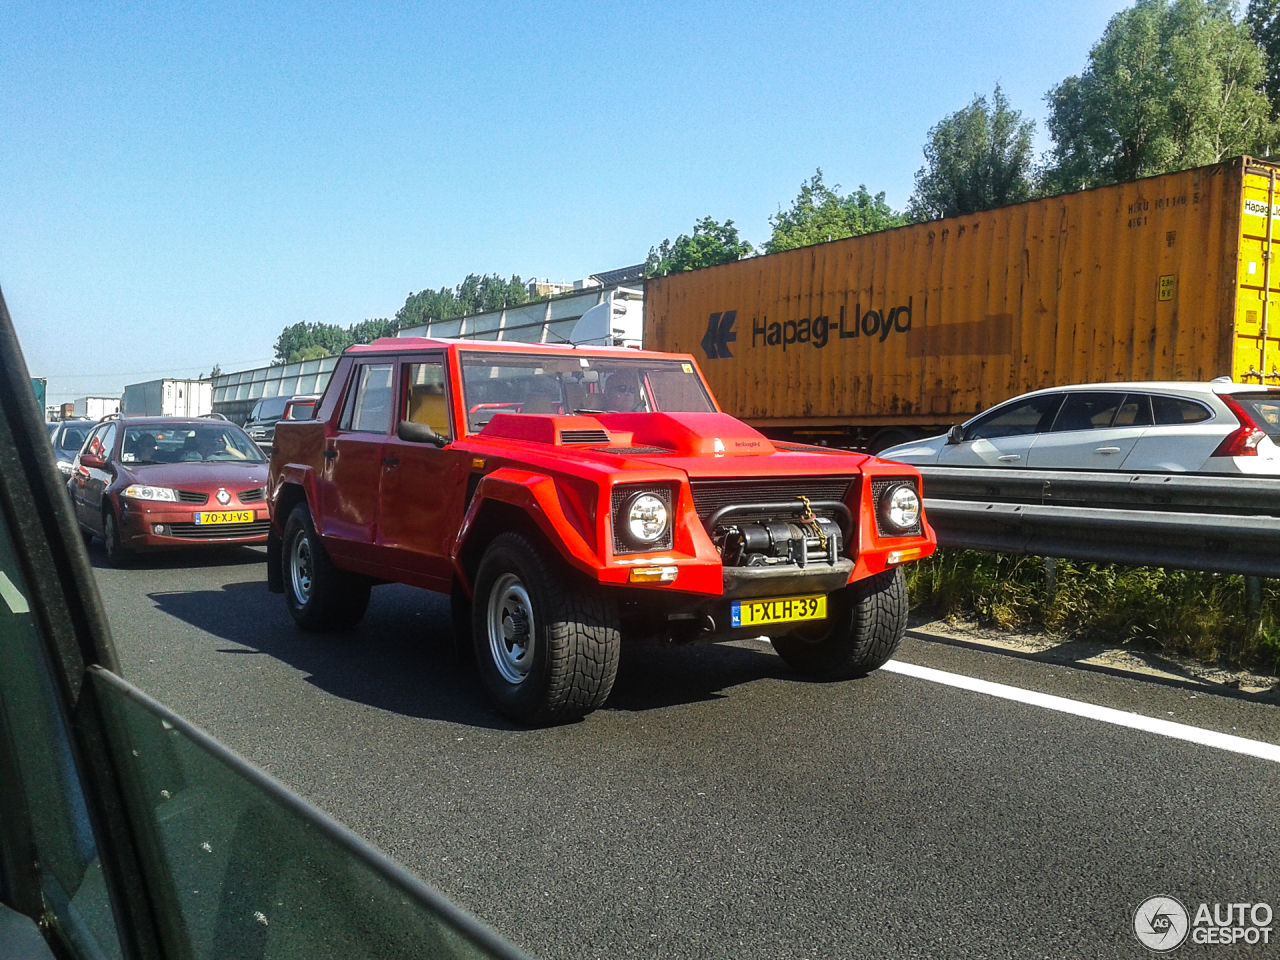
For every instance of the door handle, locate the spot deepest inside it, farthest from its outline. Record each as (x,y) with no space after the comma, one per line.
(391,461)
(1107,450)
(330,454)
(1009,457)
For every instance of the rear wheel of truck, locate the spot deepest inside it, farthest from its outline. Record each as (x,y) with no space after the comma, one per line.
(865,623)
(320,596)
(546,640)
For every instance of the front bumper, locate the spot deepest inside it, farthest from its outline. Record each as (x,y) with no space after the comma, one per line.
(784,580)
(149,525)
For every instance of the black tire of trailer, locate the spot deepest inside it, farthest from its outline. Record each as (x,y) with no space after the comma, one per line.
(321,598)
(568,625)
(865,623)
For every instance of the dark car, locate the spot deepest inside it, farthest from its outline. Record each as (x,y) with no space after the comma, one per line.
(67,438)
(269,411)
(152,482)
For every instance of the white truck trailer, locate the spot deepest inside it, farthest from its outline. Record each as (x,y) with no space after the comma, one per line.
(95,408)
(168,398)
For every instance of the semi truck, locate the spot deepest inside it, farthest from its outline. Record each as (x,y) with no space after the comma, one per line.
(168,398)
(878,339)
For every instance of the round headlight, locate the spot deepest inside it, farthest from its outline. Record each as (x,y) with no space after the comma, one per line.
(647,518)
(902,508)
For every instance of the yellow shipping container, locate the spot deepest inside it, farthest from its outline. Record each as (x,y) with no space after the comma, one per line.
(923,326)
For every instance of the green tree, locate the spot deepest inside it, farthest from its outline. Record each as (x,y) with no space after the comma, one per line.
(475,294)
(216,371)
(711,243)
(1263,18)
(1170,85)
(367,331)
(303,336)
(820,214)
(976,158)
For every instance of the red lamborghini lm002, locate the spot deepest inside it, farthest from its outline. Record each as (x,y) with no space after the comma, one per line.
(570,500)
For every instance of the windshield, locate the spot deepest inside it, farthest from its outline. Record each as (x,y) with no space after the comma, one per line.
(188,442)
(527,383)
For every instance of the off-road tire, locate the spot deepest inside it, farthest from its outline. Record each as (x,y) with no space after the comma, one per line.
(865,623)
(118,555)
(321,598)
(572,639)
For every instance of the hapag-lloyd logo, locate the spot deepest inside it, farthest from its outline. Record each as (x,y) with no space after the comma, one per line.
(874,325)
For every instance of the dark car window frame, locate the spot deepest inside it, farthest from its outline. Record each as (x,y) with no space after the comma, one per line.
(1155,417)
(1071,395)
(71,626)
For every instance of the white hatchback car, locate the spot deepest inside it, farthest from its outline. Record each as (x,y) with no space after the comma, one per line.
(1217,427)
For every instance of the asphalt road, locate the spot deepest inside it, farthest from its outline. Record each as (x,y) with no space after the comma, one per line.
(718,806)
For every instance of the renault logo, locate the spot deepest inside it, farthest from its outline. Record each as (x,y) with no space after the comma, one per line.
(223,497)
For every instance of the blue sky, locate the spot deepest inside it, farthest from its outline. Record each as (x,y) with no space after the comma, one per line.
(180,181)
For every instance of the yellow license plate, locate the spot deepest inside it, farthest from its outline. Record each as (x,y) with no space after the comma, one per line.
(226,516)
(755,613)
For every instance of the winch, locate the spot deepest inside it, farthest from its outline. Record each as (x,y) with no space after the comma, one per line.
(768,542)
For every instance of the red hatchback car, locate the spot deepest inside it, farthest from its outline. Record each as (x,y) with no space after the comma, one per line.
(151,482)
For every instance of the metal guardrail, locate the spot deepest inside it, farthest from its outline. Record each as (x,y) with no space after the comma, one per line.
(1219,524)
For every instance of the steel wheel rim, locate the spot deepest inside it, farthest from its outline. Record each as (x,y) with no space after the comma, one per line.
(511,628)
(300,568)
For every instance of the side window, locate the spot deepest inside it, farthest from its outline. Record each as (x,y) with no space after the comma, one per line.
(1134,412)
(102,442)
(1177,410)
(425,398)
(1032,415)
(257,409)
(1087,411)
(369,404)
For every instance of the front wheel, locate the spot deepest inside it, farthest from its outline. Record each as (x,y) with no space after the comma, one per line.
(865,623)
(320,596)
(118,555)
(546,641)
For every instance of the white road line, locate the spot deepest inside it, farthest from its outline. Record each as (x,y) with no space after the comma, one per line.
(1123,718)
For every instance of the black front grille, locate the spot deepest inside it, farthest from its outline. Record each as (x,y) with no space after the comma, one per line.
(218,531)
(584,436)
(252,496)
(879,488)
(710,495)
(631,451)
(192,496)
(621,496)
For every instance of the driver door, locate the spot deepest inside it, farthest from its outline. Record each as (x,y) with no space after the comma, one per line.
(422,484)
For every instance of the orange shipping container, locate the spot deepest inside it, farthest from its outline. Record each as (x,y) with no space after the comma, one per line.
(875,338)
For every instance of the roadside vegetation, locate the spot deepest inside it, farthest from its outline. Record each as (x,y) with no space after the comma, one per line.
(1204,616)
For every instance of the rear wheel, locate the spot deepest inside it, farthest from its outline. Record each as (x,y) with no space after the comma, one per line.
(118,555)
(865,623)
(546,641)
(320,596)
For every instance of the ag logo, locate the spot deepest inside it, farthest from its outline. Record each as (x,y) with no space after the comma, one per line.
(1161,923)
(715,342)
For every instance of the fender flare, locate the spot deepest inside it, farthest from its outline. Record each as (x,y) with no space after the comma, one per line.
(291,475)
(534,494)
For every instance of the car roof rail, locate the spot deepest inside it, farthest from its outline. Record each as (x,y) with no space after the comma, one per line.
(215,416)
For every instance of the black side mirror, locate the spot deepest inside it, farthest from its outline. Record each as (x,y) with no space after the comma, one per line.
(955,434)
(419,433)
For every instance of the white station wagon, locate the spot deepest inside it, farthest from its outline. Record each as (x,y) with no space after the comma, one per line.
(1217,427)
